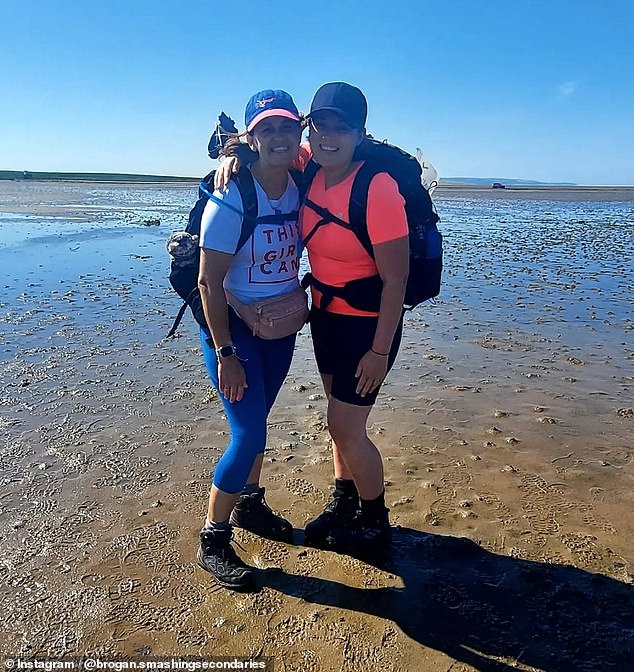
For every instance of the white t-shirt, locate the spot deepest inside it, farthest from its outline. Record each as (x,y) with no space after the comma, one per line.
(268,263)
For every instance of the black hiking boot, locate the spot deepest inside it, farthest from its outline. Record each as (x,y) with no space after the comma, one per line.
(338,513)
(252,513)
(364,536)
(216,556)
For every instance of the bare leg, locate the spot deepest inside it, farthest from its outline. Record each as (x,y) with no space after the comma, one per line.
(347,426)
(341,468)
(256,469)
(220,505)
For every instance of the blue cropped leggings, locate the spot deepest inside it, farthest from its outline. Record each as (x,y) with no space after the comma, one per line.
(266,364)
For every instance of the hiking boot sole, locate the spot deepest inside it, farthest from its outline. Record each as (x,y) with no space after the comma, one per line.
(247,586)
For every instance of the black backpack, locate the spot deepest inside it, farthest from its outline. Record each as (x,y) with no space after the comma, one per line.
(425,240)
(183,246)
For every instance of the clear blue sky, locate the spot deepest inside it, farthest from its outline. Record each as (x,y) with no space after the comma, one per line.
(532,89)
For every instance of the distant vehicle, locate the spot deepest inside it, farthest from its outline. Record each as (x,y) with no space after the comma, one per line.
(27,175)
(498,185)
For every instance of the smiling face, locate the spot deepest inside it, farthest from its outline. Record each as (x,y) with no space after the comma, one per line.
(276,139)
(332,140)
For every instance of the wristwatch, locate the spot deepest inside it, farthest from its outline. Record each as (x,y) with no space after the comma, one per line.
(226,351)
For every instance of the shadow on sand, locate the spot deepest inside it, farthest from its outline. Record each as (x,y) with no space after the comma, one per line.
(489,610)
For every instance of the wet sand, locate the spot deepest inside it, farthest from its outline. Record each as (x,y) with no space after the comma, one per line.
(506,427)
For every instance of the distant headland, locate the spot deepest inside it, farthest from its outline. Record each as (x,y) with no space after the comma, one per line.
(508,181)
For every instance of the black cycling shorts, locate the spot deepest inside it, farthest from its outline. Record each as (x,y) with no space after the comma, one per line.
(339,342)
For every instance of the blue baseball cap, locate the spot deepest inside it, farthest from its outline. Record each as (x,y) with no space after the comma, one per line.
(344,99)
(269,103)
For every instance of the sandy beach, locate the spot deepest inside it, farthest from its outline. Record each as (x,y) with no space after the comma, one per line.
(506,426)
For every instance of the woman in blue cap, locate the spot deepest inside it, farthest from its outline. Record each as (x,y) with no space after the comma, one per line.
(247,369)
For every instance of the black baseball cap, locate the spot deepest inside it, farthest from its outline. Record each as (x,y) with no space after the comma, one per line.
(346,100)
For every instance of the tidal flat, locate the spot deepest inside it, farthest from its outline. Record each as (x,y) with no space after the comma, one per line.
(506,426)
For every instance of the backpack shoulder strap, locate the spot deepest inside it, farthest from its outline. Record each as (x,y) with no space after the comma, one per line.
(246,187)
(308,176)
(298,177)
(300,182)
(208,181)
(358,207)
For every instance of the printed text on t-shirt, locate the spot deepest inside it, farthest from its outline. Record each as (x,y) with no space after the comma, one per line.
(274,254)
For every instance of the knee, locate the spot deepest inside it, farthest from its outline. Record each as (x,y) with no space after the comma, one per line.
(247,423)
(344,433)
(247,441)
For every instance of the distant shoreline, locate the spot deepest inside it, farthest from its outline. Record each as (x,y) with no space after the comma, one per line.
(37,176)
(137,178)
(444,190)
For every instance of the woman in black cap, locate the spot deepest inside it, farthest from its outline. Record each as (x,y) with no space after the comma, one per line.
(354,348)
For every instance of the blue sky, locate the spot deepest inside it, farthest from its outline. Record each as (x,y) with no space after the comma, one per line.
(532,89)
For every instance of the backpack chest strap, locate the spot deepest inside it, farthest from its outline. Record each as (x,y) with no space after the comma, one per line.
(357,209)
(327,217)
